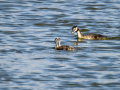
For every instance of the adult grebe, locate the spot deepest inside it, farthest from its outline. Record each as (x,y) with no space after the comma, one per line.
(89,36)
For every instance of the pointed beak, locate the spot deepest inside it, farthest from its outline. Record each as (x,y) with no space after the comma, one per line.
(72,32)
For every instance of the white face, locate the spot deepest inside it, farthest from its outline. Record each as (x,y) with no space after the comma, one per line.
(74,29)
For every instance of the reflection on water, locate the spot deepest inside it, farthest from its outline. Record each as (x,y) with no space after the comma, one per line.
(28,59)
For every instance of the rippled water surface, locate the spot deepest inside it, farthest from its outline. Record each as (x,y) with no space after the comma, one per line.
(27,32)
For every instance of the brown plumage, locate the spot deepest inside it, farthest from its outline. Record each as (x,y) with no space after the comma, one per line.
(89,36)
(62,47)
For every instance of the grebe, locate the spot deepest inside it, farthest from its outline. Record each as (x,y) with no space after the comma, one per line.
(62,47)
(89,36)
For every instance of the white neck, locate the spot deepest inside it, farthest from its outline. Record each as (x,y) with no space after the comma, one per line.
(79,34)
(57,43)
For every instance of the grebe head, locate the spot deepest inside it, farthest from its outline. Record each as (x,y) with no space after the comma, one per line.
(74,29)
(57,40)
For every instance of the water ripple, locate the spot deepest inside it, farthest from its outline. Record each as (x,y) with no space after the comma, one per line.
(28,59)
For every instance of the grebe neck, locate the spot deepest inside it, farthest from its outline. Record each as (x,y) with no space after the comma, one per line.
(79,34)
(57,43)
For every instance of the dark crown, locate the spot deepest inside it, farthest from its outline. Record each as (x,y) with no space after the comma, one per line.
(74,26)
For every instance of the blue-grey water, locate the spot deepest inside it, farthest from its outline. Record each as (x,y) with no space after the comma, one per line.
(27,32)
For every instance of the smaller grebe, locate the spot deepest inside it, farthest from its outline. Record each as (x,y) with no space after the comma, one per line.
(89,36)
(62,47)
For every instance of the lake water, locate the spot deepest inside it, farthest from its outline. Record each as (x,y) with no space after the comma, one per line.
(27,32)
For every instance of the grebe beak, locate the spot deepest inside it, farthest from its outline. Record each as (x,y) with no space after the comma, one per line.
(72,31)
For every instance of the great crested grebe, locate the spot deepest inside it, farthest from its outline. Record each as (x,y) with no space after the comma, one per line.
(62,47)
(88,36)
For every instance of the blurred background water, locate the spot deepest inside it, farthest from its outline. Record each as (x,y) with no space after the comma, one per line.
(27,32)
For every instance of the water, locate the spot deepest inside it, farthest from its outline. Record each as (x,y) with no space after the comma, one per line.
(27,32)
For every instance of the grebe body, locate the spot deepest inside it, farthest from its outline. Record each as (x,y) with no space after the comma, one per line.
(88,36)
